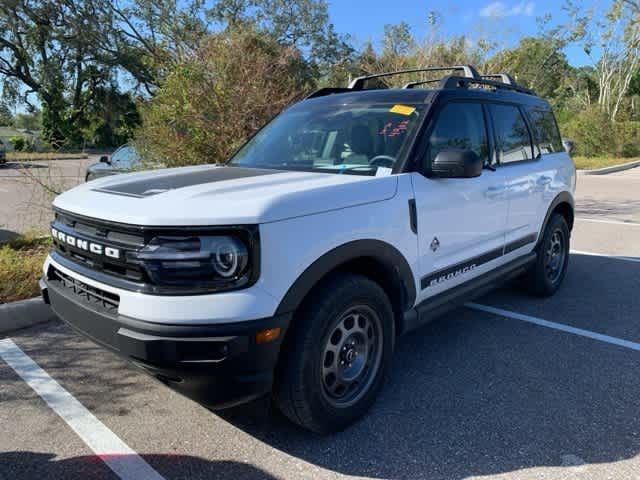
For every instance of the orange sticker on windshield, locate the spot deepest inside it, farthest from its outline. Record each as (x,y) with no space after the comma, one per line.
(402,109)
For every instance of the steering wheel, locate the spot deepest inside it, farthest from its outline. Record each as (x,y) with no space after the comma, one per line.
(382,161)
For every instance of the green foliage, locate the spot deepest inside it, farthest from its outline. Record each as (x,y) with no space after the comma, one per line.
(29,121)
(21,266)
(595,134)
(18,143)
(211,102)
(537,63)
(398,40)
(6,117)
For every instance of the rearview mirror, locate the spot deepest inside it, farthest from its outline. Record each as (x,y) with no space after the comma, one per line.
(104,159)
(456,163)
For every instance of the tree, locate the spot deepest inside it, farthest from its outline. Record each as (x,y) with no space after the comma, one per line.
(52,49)
(618,40)
(302,24)
(111,118)
(537,62)
(213,100)
(29,121)
(397,40)
(6,117)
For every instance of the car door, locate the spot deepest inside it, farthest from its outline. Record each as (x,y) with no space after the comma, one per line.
(524,181)
(461,221)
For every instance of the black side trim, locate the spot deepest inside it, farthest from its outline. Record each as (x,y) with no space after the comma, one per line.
(467,266)
(459,269)
(162,183)
(393,261)
(413,216)
(435,306)
(516,244)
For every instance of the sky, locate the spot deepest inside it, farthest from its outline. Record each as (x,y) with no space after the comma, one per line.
(504,21)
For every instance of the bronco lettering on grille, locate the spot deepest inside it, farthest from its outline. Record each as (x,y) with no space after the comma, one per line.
(85,245)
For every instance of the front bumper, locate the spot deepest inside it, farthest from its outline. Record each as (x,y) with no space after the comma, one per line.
(218,365)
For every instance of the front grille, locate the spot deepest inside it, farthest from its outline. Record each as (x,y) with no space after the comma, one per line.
(88,294)
(105,234)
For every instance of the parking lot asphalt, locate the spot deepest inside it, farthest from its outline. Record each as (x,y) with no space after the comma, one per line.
(474,394)
(27,188)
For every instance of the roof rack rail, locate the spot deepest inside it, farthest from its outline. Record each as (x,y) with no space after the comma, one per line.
(423,82)
(464,82)
(470,76)
(503,77)
(468,71)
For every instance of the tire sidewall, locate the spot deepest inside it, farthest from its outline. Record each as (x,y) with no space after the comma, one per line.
(371,295)
(557,223)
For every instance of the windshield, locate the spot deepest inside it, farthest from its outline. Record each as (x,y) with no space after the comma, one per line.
(355,139)
(125,157)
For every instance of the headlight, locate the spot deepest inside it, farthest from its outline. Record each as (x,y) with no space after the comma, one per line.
(196,263)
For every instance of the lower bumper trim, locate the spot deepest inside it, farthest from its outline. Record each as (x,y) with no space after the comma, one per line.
(215,365)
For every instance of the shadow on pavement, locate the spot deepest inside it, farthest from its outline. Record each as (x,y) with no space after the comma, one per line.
(36,466)
(21,166)
(473,394)
(7,235)
(470,394)
(603,207)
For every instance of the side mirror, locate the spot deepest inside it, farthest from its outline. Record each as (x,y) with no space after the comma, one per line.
(105,159)
(569,145)
(456,163)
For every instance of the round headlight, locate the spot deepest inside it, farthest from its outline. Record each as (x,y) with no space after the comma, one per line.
(226,258)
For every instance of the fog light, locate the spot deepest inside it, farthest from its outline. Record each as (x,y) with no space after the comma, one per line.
(268,335)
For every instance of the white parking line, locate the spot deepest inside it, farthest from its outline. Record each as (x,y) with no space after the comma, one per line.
(124,462)
(614,257)
(556,326)
(611,222)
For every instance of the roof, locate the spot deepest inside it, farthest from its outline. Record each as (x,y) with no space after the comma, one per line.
(391,95)
(419,95)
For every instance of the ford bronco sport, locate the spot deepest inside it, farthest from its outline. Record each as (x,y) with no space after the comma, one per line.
(355,216)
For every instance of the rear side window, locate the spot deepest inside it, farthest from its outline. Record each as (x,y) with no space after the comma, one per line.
(460,126)
(514,141)
(545,130)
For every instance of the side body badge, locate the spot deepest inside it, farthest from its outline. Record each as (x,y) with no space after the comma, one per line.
(435,244)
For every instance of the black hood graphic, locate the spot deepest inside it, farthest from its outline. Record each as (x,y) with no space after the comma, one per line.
(153,186)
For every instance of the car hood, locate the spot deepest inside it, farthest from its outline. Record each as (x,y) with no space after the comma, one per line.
(217,195)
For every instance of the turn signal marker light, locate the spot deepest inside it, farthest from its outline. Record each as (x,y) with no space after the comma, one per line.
(268,335)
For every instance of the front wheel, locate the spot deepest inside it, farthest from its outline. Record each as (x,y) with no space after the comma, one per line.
(546,275)
(337,354)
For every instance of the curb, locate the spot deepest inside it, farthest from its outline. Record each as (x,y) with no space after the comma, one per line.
(613,169)
(23,314)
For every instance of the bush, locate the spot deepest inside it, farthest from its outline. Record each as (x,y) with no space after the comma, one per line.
(595,135)
(21,263)
(212,102)
(592,132)
(18,143)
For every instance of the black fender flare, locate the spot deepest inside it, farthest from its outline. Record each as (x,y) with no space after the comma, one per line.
(562,197)
(382,252)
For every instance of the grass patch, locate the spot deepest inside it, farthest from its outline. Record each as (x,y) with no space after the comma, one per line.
(35,156)
(21,263)
(591,163)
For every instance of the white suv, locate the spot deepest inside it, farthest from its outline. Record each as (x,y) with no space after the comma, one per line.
(355,216)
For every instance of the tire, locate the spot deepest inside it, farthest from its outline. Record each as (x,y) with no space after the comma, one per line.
(546,275)
(330,374)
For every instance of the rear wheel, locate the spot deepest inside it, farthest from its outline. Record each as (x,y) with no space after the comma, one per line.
(546,275)
(337,355)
